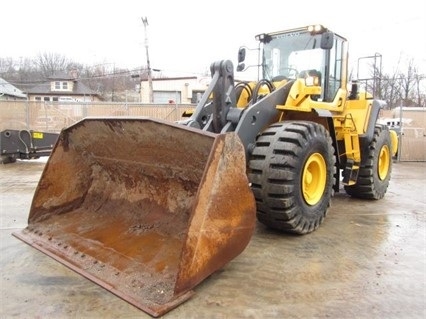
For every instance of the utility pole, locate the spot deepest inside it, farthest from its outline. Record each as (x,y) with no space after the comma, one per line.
(151,95)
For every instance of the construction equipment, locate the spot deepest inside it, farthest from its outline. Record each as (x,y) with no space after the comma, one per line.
(25,144)
(149,209)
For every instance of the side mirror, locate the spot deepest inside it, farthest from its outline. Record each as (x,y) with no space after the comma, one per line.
(241,67)
(241,54)
(327,40)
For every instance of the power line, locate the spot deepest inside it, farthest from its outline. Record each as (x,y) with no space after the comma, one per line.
(98,76)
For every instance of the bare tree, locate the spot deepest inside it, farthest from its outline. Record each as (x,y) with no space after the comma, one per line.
(407,83)
(111,82)
(6,66)
(420,96)
(22,72)
(401,86)
(391,89)
(49,63)
(373,83)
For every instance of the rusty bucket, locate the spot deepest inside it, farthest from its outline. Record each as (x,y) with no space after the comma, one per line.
(147,209)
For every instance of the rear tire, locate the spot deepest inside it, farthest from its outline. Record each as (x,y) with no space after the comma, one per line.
(291,171)
(374,173)
(6,159)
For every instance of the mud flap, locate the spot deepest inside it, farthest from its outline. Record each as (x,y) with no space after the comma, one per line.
(147,209)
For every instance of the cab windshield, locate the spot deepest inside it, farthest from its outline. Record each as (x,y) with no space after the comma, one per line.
(288,54)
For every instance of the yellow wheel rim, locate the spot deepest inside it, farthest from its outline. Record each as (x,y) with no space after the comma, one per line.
(383,162)
(314,179)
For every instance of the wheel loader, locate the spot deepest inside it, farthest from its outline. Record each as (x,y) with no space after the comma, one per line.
(148,209)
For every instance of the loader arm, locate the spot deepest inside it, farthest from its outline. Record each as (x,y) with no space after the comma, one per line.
(217,111)
(211,112)
(255,118)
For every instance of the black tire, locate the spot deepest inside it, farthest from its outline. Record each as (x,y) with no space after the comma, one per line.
(281,161)
(6,159)
(375,172)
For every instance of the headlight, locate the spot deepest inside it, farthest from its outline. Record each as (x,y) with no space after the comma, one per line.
(264,38)
(316,29)
(312,81)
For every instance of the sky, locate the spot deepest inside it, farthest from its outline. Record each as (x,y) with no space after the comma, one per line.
(187,36)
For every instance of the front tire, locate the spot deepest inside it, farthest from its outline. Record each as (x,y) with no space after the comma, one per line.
(375,171)
(291,171)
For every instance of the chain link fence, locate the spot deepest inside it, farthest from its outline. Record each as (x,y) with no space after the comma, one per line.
(53,116)
(411,128)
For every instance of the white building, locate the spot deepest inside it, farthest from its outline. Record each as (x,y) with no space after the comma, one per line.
(177,90)
(10,92)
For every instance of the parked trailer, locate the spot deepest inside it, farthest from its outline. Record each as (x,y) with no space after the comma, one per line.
(25,144)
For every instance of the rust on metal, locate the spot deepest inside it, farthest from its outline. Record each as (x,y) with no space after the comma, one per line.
(144,208)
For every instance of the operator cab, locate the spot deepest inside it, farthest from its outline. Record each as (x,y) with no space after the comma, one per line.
(311,52)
